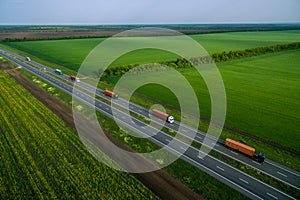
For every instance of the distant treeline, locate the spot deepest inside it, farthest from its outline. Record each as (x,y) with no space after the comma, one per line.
(52,38)
(57,32)
(182,63)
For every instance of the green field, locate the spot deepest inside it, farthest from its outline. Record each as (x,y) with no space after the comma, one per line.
(42,158)
(71,53)
(261,91)
(262,94)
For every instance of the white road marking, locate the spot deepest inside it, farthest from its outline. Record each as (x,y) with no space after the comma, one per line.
(183,148)
(167,140)
(220,168)
(199,137)
(234,152)
(281,174)
(256,162)
(200,156)
(184,130)
(243,180)
(143,127)
(278,166)
(215,144)
(271,195)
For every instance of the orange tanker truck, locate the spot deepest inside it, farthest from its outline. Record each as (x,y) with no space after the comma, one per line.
(110,94)
(247,150)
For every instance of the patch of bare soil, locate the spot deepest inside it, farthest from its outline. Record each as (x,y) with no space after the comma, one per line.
(5,66)
(160,182)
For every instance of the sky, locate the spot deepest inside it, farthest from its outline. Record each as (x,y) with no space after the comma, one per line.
(58,12)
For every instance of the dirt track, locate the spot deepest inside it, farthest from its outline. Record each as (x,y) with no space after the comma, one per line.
(161,183)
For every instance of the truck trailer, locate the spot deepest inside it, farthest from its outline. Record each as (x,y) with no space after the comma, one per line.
(247,150)
(162,115)
(110,94)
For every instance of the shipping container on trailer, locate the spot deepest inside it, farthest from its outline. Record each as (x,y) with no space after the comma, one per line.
(162,115)
(111,94)
(240,147)
(250,151)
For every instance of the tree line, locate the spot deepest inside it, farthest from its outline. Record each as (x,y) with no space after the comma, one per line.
(52,38)
(181,63)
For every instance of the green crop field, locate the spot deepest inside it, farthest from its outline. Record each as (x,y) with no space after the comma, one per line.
(42,158)
(260,89)
(219,42)
(71,53)
(262,94)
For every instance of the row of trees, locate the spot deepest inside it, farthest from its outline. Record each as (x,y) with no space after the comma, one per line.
(182,63)
(52,38)
(225,56)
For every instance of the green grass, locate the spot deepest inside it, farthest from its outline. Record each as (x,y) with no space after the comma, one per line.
(42,158)
(218,42)
(71,53)
(262,94)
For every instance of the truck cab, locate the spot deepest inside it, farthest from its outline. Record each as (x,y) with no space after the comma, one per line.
(261,157)
(171,119)
(74,78)
(58,71)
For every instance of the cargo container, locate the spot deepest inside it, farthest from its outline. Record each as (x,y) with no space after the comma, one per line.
(162,115)
(58,71)
(74,78)
(110,94)
(247,150)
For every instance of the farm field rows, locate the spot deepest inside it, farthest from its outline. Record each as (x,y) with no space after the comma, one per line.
(42,158)
(262,94)
(70,53)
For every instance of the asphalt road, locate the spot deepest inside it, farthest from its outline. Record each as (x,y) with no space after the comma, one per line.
(236,179)
(269,167)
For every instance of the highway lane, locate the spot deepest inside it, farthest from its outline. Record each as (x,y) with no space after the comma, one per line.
(242,182)
(270,168)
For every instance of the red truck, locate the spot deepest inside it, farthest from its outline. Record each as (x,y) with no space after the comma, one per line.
(247,150)
(110,94)
(74,78)
(162,115)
